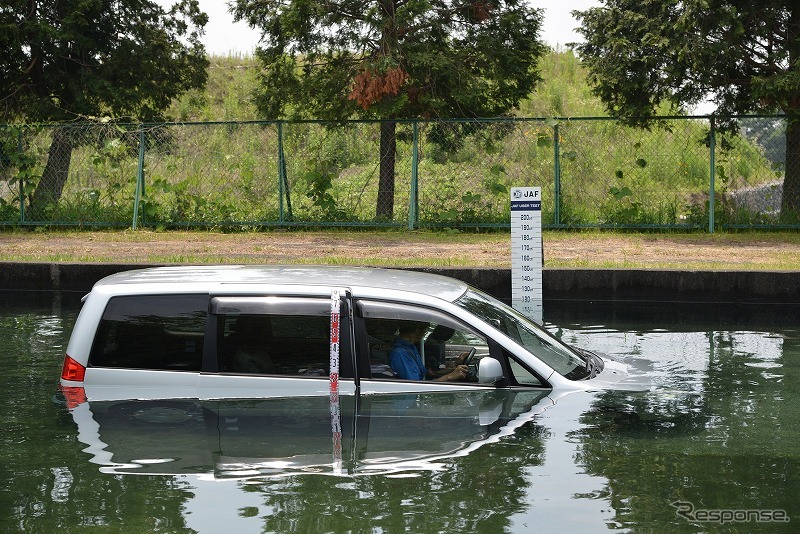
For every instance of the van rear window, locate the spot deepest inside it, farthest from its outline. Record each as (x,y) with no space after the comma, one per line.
(151,332)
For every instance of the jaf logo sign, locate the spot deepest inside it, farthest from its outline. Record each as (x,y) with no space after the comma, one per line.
(526,251)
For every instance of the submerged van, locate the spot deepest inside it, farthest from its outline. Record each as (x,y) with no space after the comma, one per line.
(277,331)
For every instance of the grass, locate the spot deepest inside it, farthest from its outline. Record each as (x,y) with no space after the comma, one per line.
(398,248)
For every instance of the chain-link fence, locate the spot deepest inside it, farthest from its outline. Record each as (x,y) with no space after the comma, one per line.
(593,172)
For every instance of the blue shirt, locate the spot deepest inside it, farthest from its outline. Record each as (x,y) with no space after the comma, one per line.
(406,360)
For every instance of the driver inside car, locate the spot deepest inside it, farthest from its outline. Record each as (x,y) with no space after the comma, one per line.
(435,345)
(406,360)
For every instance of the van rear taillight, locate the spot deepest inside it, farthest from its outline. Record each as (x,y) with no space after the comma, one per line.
(72,370)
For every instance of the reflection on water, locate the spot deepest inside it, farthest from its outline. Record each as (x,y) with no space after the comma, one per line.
(246,439)
(719,432)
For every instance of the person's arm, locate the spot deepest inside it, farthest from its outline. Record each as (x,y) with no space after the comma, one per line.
(437,374)
(434,373)
(457,374)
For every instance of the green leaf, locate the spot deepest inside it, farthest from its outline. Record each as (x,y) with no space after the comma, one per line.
(618,193)
(470,197)
(721,174)
(543,141)
(497,170)
(449,215)
(496,188)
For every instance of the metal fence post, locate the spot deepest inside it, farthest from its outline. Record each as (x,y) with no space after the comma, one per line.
(280,172)
(283,181)
(137,197)
(413,212)
(712,170)
(556,177)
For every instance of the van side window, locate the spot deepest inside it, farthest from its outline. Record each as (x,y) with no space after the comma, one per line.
(522,375)
(441,342)
(285,336)
(163,332)
(296,345)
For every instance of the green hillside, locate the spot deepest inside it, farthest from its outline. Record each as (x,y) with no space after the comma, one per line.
(228,94)
(232,80)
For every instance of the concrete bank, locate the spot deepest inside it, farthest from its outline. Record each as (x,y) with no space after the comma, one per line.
(559,284)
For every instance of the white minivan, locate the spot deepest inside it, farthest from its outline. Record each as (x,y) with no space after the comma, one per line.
(276,331)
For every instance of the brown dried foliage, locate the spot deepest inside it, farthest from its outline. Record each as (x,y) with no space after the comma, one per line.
(369,87)
(481,10)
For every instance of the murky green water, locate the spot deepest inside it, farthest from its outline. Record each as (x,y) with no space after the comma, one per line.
(717,442)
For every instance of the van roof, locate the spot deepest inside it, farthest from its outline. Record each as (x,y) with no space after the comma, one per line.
(305,275)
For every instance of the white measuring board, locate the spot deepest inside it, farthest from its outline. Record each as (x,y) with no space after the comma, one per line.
(526,251)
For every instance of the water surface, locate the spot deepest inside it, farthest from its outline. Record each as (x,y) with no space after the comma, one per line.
(719,434)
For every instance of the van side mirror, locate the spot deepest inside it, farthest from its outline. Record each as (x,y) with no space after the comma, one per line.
(489,370)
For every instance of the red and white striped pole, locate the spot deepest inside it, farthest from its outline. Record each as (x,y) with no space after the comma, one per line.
(336,425)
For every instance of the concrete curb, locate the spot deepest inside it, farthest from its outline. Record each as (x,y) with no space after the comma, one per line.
(643,284)
(559,284)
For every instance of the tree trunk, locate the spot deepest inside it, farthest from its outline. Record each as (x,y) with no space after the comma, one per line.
(790,205)
(48,191)
(388,150)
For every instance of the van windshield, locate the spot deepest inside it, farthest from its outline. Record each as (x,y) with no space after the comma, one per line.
(536,340)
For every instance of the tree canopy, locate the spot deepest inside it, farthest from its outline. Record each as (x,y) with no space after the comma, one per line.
(80,58)
(394,58)
(744,56)
(76,59)
(388,59)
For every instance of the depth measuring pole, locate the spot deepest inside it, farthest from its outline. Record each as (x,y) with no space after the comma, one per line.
(526,251)
(336,425)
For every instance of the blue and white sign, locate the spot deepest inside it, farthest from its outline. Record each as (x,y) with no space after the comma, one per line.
(526,251)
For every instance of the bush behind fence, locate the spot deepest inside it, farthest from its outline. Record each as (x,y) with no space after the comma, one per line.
(593,173)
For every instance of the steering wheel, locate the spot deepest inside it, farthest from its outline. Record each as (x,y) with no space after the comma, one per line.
(472,366)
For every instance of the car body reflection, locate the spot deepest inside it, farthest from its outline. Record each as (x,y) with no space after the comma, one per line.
(253,438)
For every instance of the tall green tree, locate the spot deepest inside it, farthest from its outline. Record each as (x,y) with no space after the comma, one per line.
(75,59)
(744,55)
(391,59)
